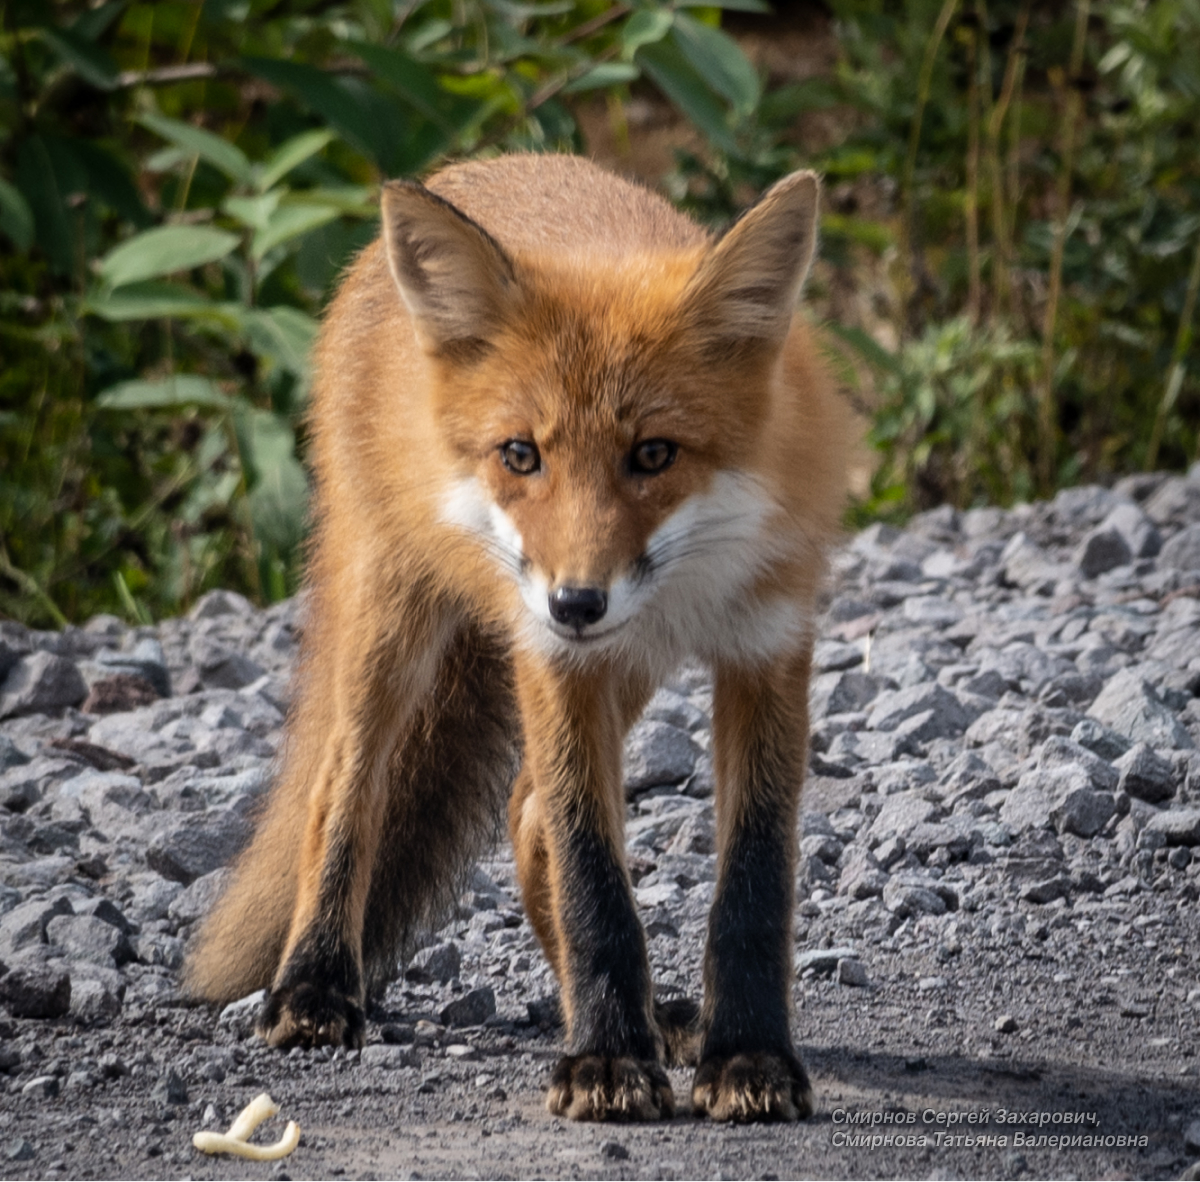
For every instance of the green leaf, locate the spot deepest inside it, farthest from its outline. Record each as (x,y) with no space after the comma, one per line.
(350,200)
(278,488)
(41,186)
(645,27)
(675,76)
(254,212)
(290,221)
(290,154)
(171,393)
(604,75)
(149,301)
(16,218)
(718,59)
(282,334)
(413,79)
(360,115)
(195,141)
(164,250)
(86,58)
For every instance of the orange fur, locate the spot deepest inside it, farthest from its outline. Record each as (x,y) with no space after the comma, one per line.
(562,439)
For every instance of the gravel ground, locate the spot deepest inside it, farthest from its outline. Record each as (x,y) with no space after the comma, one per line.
(996,941)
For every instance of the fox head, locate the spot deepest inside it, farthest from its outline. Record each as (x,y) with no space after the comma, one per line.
(604,411)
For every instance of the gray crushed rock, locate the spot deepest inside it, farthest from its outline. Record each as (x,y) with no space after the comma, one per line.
(997,875)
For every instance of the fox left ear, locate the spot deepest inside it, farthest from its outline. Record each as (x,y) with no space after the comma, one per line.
(746,287)
(455,278)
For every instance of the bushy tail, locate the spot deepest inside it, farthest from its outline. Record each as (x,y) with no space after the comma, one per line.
(448,784)
(239,945)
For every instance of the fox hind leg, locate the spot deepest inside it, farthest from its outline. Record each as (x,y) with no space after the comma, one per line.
(448,784)
(393,817)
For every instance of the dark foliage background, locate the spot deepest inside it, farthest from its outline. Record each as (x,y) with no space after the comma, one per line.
(1011,239)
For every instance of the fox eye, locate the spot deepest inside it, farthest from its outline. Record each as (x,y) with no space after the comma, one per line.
(520,456)
(651,456)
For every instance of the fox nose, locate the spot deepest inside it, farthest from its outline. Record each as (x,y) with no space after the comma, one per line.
(578,606)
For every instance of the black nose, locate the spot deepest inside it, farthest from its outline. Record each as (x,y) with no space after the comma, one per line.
(577,606)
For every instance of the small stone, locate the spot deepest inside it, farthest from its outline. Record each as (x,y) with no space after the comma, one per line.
(822,960)
(1005,1024)
(240,1016)
(894,707)
(388,1057)
(197,900)
(472,1009)
(93,1003)
(438,962)
(20,1150)
(170,1089)
(1139,532)
(1102,549)
(84,937)
(1099,739)
(614,1151)
(906,899)
(43,1086)
(851,971)
(1046,891)
(1146,775)
(1191,1137)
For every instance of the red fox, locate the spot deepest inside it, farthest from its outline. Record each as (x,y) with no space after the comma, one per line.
(562,440)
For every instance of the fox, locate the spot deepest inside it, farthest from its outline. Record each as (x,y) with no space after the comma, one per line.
(563,439)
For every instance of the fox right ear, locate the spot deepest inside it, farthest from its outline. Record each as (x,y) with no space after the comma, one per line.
(745,290)
(453,275)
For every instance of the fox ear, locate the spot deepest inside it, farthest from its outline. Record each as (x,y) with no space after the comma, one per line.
(453,275)
(746,287)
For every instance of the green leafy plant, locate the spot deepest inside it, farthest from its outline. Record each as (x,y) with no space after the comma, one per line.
(180,185)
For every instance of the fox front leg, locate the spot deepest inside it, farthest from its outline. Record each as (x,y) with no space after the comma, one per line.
(748,1066)
(568,828)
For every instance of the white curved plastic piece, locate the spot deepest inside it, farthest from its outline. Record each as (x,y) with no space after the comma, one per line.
(236,1140)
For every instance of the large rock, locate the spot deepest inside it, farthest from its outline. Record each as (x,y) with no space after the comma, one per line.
(36,991)
(1179,826)
(197,844)
(1062,797)
(657,753)
(84,937)
(40,683)
(1146,775)
(895,707)
(1131,706)
(25,925)
(1182,552)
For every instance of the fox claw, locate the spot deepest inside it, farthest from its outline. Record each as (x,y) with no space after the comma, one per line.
(306,1015)
(598,1087)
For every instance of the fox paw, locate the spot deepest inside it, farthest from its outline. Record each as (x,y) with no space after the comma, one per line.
(308,1015)
(597,1087)
(759,1085)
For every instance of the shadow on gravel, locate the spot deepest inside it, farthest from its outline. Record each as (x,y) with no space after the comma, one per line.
(1023,1096)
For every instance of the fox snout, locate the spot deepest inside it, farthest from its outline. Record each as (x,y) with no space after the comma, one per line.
(578,607)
